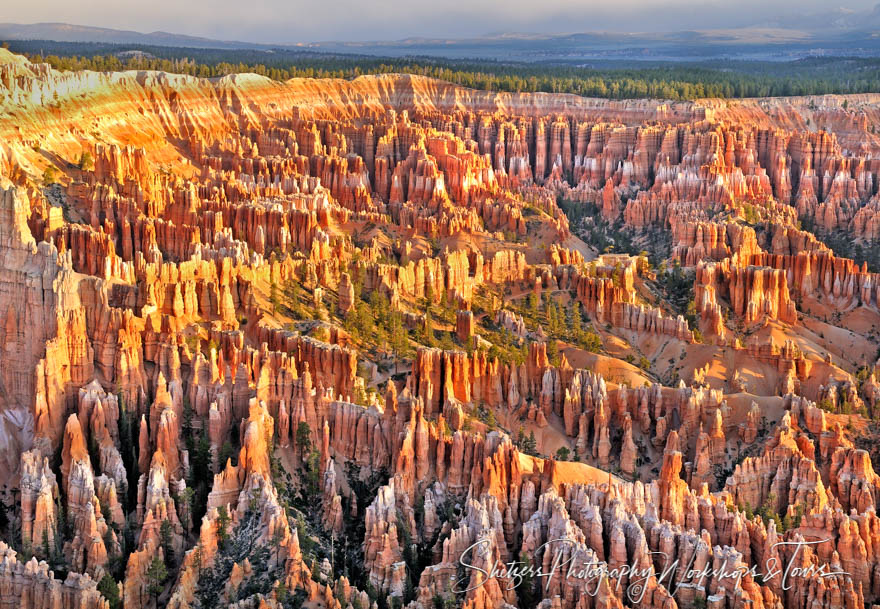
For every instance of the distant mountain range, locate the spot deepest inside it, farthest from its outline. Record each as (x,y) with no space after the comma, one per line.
(838,32)
(65,32)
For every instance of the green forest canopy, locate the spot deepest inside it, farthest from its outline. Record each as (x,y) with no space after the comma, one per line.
(675,81)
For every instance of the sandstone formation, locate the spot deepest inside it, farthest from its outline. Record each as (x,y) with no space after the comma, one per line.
(311,343)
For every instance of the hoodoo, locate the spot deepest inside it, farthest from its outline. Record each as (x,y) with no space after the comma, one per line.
(350,343)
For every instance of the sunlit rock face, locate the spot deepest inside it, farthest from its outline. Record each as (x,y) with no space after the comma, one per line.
(354,343)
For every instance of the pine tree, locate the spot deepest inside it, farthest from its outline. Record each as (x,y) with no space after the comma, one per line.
(575,326)
(202,457)
(277,538)
(185,505)
(186,425)
(273,297)
(167,542)
(226,454)
(550,307)
(157,573)
(533,306)
(429,338)
(553,352)
(109,589)
(223,521)
(526,444)
(525,592)
(86,162)
(491,421)
(50,175)
(304,438)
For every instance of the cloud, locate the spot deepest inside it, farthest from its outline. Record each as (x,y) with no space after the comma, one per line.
(280,21)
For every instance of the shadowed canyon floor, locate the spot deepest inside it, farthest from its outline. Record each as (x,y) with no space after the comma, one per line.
(326,343)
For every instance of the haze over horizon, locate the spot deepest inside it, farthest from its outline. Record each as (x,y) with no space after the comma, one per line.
(276,22)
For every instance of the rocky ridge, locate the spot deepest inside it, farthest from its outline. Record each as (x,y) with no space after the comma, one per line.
(186,378)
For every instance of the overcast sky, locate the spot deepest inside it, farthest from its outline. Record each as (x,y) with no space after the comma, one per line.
(291,21)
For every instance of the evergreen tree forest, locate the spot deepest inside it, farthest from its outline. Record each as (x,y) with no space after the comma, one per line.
(674,81)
